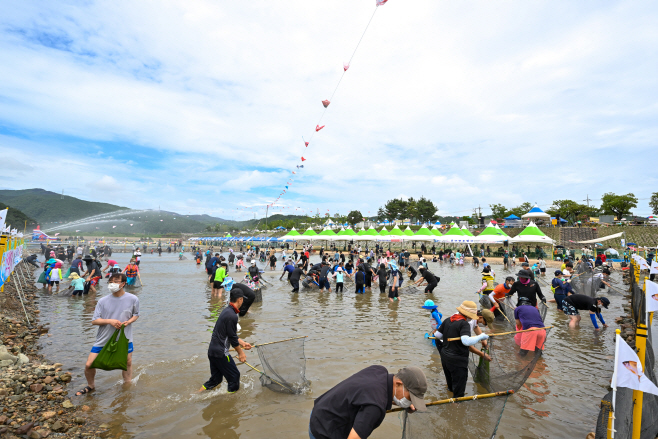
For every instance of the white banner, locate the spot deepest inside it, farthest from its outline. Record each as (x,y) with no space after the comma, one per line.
(654,267)
(629,370)
(651,289)
(3,217)
(623,243)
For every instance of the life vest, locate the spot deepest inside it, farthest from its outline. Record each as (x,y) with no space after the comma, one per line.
(489,280)
(131,271)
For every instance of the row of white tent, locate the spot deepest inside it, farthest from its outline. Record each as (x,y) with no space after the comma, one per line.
(456,235)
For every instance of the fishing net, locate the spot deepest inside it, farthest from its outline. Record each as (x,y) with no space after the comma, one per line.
(586,281)
(411,289)
(508,370)
(284,366)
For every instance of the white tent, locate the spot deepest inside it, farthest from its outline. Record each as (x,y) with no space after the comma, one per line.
(532,234)
(536,213)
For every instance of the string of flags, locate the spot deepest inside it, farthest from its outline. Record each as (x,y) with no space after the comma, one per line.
(325,104)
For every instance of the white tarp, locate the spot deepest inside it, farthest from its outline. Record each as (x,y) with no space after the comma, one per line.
(605,238)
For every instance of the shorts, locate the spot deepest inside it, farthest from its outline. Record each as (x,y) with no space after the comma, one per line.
(360,289)
(543,270)
(532,340)
(77,292)
(97,349)
(393,293)
(94,280)
(569,309)
(54,282)
(217,284)
(324,283)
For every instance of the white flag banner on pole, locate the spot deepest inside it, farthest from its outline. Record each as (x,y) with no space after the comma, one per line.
(654,267)
(652,295)
(644,265)
(629,370)
(3,217)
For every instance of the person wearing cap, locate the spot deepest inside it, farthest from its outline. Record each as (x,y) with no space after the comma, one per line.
(455,353)
(112,266)
(355,407)
(560,287)
(432,280)
(580,302)
(526,317)
(435,315)
(487,282)
(604,275)
(248,293)
(526,287)
(225,336)
(93,273)
(526,266)
(253,269)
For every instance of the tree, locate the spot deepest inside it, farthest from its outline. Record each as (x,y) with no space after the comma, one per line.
(354,217)
(411,209)
(425,210)
(393,209)
(654,203)
(521,209)
(498,211)
(618,205)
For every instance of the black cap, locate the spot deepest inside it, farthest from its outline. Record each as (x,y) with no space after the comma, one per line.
(524,273)
(558,273)
(604,301)
(525,264)
(236,293)
(524,301)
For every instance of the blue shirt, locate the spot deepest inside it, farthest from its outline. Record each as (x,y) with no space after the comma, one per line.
(289,268)
(529,316)
(436,316)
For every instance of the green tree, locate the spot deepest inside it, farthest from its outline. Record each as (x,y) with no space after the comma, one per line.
(520,210)
(618,205)
(393,209)
(426,210)
(498,211)
(354,217)
(411,210)
(654,203)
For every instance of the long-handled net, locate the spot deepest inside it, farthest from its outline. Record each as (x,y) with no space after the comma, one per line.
(284,366)
(508,370)
(585,281)
(508,306)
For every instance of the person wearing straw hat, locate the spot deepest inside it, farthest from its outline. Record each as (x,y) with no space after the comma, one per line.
(355,407)
(454,354)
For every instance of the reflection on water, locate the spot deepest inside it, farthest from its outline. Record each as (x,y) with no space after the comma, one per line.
(347,332)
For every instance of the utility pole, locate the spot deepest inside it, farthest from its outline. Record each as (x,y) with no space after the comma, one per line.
(62,194)
(588,200)
(267,209)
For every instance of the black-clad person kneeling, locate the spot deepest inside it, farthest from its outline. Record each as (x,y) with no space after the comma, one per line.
(223,337)
(358,405)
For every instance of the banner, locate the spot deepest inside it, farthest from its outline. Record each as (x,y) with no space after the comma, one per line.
(651,289)
(654,267)
(629,370)
(10,259)
(3,217)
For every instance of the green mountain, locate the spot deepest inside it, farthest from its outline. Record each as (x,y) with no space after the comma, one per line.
(49,207)
(17,219)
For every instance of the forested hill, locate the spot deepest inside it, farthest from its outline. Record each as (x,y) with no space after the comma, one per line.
(17,219)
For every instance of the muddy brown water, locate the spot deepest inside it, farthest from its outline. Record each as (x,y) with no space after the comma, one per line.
(346,333)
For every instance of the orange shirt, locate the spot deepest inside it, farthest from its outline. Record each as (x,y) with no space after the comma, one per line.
(500,291)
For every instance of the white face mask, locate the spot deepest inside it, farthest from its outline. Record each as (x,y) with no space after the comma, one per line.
(113,287)
(404,402)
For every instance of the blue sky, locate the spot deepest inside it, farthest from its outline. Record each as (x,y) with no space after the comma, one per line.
(200,107)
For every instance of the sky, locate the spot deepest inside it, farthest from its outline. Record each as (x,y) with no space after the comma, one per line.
(201,106)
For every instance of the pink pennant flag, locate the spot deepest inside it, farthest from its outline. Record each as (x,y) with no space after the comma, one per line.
(381,2)
(326,103)
(318,128)
(303,159)
(345,66)
(306,144)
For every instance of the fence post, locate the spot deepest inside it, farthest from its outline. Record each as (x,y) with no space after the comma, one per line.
(641,346)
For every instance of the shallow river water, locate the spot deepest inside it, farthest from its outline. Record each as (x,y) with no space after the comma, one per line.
(346,333)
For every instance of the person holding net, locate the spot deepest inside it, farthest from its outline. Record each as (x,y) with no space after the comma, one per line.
(580,302)
(526,317)
(526,287)
(455,332)
(432,280)
(225,335)
(355,407)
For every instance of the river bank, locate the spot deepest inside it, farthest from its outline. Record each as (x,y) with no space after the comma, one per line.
(34,392)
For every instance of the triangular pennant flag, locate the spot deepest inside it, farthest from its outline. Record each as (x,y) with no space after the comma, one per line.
(326,103)
(629,370)
(303,159)
(318,128)
(293,172)
(345,66)
(301,166)
(306,144)
(381,2)
(286,187)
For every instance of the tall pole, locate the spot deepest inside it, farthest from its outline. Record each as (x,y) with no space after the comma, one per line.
(267,209)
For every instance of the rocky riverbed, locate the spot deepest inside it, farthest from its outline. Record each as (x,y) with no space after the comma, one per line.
(35,401)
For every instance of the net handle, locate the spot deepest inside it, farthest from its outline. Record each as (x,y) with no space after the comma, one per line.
(507,333)
(463,398)
(273,342)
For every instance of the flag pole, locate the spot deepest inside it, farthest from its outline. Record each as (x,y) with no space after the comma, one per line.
(611,415)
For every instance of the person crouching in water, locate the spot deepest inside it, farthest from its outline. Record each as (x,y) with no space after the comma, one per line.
(455,353)
(225,335)
(77,283)
(527,316)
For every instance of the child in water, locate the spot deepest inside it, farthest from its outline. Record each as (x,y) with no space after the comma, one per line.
(435,316)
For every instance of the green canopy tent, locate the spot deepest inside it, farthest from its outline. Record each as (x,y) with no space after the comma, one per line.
(424,234)
(408,231)
(532,234)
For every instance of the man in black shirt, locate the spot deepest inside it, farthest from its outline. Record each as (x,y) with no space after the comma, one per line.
(295,276)
(412,273)
(454,353)
(575,302)
(526,287)
(253,269)
(426,275)
(369,272)
(225,335)
(248,293)
(354,408)
(325,270)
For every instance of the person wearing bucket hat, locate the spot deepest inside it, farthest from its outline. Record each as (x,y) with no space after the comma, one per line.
(526,287)
(455,354)
(580,302)
(435,315)
(77,283)
(355,407)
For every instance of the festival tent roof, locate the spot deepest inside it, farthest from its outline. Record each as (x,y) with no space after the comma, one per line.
(455,235)
(512,217)
(309,232)
(325,235)
(424,234)
(437,223)
(228,235)
(501,231)
(292,235)
(383,232)
(348,232)
(452,223)
(465,231)
(492,233)
(536,212)
(395,231)
(368,235)
(532,234)
(436,231)
(361,232)
(408,231)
